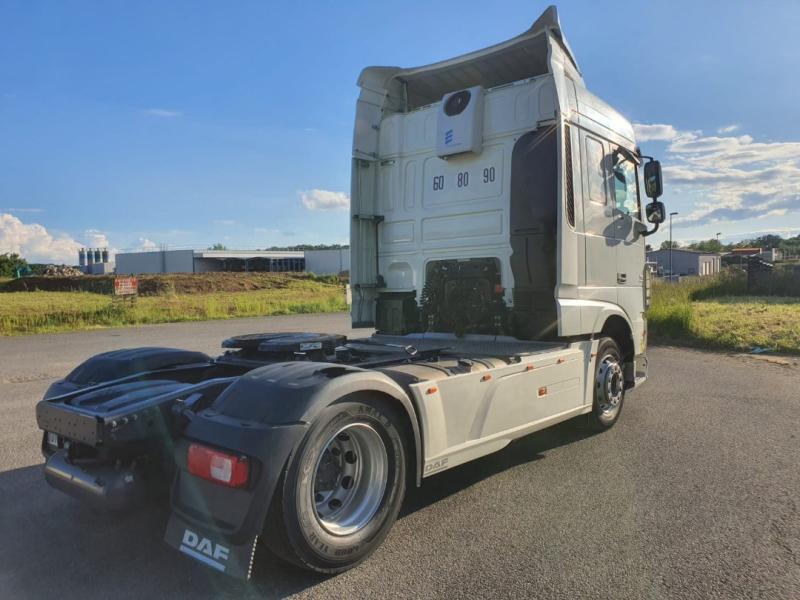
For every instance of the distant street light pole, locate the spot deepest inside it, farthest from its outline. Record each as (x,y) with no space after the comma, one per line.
(670,244)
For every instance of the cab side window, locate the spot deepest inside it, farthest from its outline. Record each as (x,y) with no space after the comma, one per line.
(626,189)
(595,171)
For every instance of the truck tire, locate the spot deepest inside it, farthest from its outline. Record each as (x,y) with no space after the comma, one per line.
(342,488)
(609,385)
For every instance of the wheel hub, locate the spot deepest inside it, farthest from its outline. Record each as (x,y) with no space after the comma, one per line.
(610,385)
(350,479)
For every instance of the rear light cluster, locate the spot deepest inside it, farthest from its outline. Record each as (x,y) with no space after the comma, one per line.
(220,467)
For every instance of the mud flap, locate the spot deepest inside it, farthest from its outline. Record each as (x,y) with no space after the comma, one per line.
(211,549)
(640,369)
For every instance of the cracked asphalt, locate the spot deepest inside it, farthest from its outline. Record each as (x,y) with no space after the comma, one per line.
(694,494)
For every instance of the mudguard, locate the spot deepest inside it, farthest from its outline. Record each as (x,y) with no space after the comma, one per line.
(118,364)
(263,415)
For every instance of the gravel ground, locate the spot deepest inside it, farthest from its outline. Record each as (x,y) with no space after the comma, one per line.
(694,494)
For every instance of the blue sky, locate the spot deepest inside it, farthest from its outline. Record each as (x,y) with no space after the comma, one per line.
(187,123)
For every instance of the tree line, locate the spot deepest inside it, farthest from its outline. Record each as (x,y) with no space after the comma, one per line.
(789,246)
(296,247)
(12,264)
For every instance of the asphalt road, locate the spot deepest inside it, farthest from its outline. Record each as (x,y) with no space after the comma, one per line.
(694,494)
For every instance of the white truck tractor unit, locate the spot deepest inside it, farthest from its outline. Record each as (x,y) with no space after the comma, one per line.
(498,251)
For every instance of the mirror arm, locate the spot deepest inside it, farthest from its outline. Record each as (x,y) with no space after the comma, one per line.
(634,158)
(652,231)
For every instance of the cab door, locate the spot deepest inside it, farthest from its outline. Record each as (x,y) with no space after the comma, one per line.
(598,221)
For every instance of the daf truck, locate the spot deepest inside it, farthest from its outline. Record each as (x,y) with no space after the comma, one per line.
(497,243)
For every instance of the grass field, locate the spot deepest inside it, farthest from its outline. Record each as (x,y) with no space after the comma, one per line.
(45,312)
(715,312)
(711,312)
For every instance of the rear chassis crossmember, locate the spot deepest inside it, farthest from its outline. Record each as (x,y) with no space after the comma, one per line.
(114,460)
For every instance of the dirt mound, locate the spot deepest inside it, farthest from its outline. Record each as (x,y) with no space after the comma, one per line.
(171,283)
(61,271)
(207,283)
(100,284)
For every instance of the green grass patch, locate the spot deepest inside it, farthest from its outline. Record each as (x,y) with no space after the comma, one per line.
(46,312)
(713,312)
(751,322)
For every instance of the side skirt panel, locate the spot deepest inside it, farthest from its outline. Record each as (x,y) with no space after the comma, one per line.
(482,447)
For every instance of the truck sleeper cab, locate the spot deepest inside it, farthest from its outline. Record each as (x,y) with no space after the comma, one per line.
(497,249)
(550,198)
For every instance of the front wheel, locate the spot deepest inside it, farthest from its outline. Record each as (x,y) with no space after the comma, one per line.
(609,385)
(342,488)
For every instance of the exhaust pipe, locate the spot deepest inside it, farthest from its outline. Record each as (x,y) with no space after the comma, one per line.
(102,486)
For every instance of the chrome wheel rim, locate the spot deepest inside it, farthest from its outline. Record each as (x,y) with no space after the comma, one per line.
(610,385)
(350,479)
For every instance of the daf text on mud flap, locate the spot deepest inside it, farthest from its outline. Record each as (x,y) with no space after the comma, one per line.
(204,550)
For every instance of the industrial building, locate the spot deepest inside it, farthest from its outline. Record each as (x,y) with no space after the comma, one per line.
(95,261)
(685,262)
(739,256)
(328,262)
(203,261)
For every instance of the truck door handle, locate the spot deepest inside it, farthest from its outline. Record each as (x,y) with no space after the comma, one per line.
(622,277)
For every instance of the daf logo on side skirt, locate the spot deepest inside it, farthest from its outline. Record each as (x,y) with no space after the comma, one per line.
(204,550)
(436,465)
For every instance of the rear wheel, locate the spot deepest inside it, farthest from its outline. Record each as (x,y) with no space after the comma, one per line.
(609,385)
(342,489)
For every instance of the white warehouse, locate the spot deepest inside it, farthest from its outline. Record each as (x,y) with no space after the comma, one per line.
(685,261)
(322,262)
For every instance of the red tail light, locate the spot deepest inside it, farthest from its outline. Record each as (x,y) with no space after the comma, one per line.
(220,467)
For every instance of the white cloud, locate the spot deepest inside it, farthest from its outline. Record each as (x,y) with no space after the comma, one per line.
(324,200)
(22,210)
(34,243)
(225,222)
(96,239)
(272,231)
(146,244)
(728,128)
(736,177)
(655,132)
(162,112)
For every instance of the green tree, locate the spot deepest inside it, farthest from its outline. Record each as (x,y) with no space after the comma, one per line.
(10,262)
(768,241)
(311,247)
(712,245)
(665,245)
(217,246)
(790,246)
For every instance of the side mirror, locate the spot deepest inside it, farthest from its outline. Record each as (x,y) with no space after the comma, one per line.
(656,213)
(653,186)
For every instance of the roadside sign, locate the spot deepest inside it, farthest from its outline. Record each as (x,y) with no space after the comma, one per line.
(126,286)
(126,290)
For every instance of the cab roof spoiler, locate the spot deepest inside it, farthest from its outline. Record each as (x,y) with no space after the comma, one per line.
(522,57)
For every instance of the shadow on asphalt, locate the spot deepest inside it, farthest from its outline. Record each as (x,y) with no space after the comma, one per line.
(55,546)
(522,451)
